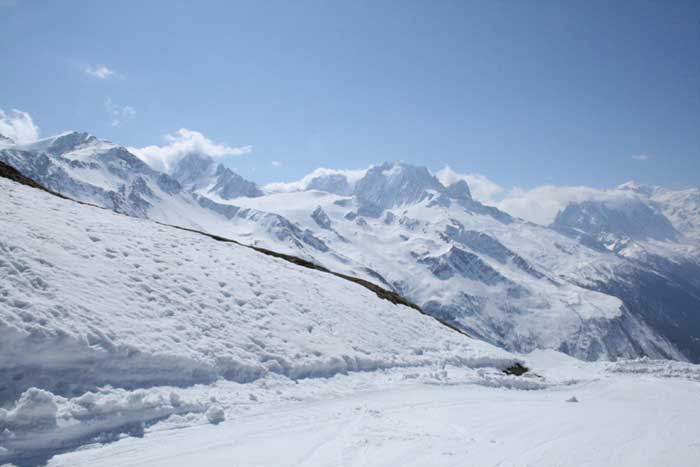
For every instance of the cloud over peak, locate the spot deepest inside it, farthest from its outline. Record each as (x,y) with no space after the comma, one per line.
(184,142)
(482,188)
(18,126)
(540,204)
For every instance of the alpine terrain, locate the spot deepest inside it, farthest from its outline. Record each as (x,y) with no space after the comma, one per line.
(128,342)
(612,278)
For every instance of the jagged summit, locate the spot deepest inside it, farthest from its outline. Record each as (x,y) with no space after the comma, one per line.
(395,183)
(200,173)
(386,185)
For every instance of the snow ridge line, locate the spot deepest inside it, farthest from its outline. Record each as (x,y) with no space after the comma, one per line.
(9,172)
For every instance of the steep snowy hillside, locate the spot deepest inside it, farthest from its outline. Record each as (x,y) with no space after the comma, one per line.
(90,298)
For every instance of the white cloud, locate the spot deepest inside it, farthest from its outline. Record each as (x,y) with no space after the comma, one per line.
(641,157)
(182,143)
(119,113)
(352,176)
(276,164)
(481,187)
(541,204)
(100,71)
(18,126)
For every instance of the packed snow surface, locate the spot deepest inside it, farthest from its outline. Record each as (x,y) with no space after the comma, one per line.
(438,418)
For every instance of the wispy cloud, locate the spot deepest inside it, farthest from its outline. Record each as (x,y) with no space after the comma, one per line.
(352,176)
(182,143)
(119,113)
(276,164)
(641,157)
(100,71)
(18,126)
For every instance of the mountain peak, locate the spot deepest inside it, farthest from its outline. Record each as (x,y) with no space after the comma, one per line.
(61,143)
(618,218)
(200,172)
(395,183)
(459,190)
(192,168)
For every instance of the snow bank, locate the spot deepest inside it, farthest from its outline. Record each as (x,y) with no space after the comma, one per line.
(42,422)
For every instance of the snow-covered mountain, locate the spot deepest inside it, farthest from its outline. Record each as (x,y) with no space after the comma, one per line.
(512,283)
(509,282)
(100,172)
(616,220)
(680,206)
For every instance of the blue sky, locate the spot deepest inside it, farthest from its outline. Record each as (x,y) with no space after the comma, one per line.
(527,93)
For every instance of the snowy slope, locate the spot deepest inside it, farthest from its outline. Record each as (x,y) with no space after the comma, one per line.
(90,298)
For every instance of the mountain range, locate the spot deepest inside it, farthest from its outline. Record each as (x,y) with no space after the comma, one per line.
(615,277)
